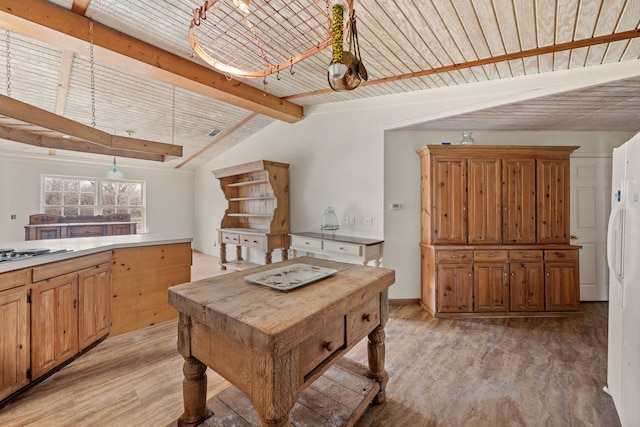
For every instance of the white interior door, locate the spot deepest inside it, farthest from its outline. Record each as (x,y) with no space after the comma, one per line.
(590,208)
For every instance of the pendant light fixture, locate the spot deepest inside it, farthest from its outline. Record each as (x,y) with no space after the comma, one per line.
(114,172)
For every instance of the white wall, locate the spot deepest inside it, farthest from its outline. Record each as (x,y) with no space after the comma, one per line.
(170,194)
(341,156)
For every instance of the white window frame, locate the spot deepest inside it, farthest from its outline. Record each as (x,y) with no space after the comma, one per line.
(98,208)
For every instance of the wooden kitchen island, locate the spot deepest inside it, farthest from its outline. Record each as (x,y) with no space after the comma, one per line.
(271,345)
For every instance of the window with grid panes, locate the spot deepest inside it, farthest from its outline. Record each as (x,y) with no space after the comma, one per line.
(70,195)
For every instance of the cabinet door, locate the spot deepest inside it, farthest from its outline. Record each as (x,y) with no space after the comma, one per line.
(14,340)
(43,233)
(455,288)
(518,200)
(553,201)
(94,291)
(484,195)
(526,286)
(54,322)
(491,287)
(562,286)
(449,201)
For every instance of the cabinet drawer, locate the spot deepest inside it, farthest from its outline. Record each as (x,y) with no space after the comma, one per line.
(85,230)
(120,229)
(301,242)
(343,248)
(566,255)
(454,256)
(363,319)
(525,255)
(229,238)
(326,340)
(253,241)
(491,255)
(13,279)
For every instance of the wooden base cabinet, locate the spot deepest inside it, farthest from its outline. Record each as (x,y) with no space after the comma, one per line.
(485,280)
(94,289)
(70,309)
(14,332)
(141,277)
(491,281)
(54,323)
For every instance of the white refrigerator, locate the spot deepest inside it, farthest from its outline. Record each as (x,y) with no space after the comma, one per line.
(623,255)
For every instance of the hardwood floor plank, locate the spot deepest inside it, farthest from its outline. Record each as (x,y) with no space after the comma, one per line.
(442,372)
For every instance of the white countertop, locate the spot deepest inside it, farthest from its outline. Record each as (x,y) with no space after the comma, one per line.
(80,246)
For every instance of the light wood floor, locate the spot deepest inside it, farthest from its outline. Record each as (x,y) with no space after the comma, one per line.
(489,372)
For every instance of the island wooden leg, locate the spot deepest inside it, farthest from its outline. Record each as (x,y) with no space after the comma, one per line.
(275,387)
(376,351)
(239,253)
(223,255)
(267,257)
(194,393)
(285,254)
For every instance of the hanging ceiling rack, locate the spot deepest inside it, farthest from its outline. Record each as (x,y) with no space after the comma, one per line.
(255,38)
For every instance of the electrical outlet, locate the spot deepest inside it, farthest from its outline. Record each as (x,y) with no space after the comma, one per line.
(352,220)
(13,216)
(346,220)
(368,220)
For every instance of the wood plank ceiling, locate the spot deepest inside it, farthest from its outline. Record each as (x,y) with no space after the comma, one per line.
(407,45)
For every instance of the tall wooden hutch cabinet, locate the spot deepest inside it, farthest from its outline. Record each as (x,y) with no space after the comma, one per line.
(495,233)
(258,212)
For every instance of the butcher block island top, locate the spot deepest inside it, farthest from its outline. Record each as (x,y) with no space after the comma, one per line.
(271,344)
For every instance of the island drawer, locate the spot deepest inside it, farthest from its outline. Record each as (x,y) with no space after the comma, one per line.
(13,279)
(54,269)
(327,338)
(363,319)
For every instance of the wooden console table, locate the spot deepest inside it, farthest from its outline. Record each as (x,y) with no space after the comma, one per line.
(347,248)
(46,226)
(270,344)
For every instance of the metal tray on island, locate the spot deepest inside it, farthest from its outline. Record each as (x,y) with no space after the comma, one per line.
(290,277)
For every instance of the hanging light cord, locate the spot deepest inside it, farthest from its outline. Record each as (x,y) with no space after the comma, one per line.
(92,72)
(8,43)
(173,116)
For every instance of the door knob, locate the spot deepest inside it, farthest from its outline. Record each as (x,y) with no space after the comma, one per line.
(574,237)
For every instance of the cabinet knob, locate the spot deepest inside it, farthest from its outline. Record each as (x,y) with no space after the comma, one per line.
(328,345)
(574,237)
(366,317)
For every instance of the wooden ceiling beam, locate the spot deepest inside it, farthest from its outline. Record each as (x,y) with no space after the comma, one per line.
(44,119)
(560,47)
(55,25)
(60,143)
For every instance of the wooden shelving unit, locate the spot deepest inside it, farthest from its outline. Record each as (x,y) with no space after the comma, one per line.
(257,216)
